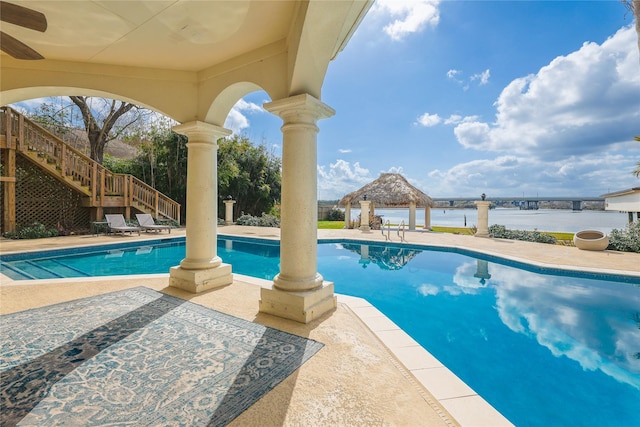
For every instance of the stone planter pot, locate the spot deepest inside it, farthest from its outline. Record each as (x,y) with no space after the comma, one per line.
(591,240)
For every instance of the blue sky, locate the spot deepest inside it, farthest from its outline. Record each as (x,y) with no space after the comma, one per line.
(508,98)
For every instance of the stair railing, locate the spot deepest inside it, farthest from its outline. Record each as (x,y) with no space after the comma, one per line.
(28,137)
(388,235)
(401,230)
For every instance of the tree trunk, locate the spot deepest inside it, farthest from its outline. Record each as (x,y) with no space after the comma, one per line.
(99,135)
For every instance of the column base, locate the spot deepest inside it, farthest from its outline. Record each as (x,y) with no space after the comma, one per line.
(365,228)
(302,307)
(200,280)
(481,234)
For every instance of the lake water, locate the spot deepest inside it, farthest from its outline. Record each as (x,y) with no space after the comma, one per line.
(515,219)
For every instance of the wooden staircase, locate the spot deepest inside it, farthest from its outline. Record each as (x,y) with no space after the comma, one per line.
(100,187)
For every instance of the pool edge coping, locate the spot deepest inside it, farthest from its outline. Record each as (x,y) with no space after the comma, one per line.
(466,406)
(461,249)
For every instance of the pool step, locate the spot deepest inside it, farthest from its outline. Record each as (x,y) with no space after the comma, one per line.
(42,269)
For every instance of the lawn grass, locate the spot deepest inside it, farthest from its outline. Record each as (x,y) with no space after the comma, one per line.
(454,230)
(330,225)
(563,238)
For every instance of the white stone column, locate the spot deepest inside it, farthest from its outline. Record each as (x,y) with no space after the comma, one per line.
(412,216)
(364,215)
(364,256)
(347,216)
(228,211)
(298,292)
(201,269)
(483,218)
(482,271)
(427,218)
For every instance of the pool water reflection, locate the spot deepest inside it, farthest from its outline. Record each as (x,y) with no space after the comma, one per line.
(543,347)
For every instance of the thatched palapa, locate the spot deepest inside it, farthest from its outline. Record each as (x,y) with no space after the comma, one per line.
(390,190)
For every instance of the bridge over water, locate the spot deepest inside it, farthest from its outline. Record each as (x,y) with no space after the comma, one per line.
(527,203)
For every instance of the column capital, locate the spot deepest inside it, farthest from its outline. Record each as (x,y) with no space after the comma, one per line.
(300,108)
(201,131)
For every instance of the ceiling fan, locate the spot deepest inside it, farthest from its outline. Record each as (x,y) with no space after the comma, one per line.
(24,17)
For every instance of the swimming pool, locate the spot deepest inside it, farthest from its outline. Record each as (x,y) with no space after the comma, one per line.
(544,347)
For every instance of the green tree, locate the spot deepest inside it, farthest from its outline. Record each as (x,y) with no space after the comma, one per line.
(54,118)
(103,120)
(248,173)
(100,116)
(162,163)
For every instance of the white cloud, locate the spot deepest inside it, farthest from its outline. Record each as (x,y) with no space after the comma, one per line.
(428,120)
(452,74)
(26,107)
(394,169)
(482,77)
(409,16)
(511,175)
(344,150)
(585,102)
(569,319)
(427,289)
(340,178)
(455,119)
(456,75)
(555,313)
(237,119)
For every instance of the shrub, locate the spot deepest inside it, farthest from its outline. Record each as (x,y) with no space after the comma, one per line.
(501,232)
(265,220)
(335,215)
(627,240)
(33,231)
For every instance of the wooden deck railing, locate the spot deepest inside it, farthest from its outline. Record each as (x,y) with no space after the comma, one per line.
(74,167)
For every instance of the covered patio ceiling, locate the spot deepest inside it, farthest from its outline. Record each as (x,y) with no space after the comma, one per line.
(179,57)
(192,61)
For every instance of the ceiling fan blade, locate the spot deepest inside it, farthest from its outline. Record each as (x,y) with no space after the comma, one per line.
(16,48)
(22,16)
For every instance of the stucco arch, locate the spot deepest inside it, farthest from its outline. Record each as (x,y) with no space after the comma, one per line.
(26,94)
(225,101)
(192,61)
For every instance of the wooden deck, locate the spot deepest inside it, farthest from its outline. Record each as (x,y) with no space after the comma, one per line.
(99,187)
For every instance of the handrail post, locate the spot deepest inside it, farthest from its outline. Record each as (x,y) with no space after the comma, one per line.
(20,132)
(157,200)
(9,190)
(127,196)
(103,184)
(7,118)
(93,182)
(401,226)
(63,160)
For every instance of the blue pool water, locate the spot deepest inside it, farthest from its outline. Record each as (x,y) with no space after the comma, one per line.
(546,348)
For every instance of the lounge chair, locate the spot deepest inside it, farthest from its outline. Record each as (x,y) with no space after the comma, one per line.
(147,223)
(117,224)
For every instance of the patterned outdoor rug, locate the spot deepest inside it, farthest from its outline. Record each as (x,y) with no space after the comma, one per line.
(138,357)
